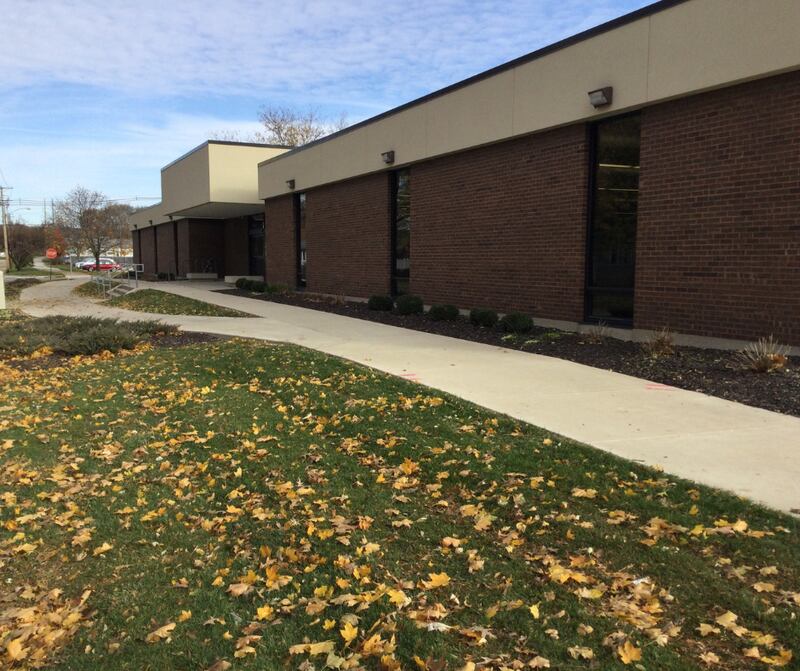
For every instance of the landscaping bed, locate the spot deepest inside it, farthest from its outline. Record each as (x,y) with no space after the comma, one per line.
(713,372)
(245,505)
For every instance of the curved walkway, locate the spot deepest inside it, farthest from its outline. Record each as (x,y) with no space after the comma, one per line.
(752,452)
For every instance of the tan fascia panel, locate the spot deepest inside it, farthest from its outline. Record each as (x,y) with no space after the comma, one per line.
(214,172)
(671,49)
(147,216)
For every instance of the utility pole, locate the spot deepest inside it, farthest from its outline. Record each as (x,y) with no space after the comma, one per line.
(4,209)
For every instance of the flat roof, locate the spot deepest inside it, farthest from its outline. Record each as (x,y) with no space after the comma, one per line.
(648,10)
(227,143)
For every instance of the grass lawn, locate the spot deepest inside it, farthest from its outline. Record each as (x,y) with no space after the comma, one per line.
(253,506)
(15,287)
(165,303)
(34,272)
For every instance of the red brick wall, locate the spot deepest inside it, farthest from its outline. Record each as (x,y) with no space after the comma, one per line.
(347,231)
(146,251)
(166,248)
(504,226)
(184,263)
(206,246)
(718,239)
(280,242)
(137,250)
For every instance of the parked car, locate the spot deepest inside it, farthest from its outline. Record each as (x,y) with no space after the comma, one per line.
(105,264)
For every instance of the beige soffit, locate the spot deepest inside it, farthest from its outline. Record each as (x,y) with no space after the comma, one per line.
(670,49)
(147,216)
(218,173)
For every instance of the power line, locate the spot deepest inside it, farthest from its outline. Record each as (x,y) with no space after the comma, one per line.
(42,201)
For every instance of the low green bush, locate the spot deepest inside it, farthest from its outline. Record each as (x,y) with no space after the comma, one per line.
(97,338)
(258,286)
(242,282)
(483,317)
(277,289)
(380,303)
(516,322)
(439,313)
(75,335)
(408,304)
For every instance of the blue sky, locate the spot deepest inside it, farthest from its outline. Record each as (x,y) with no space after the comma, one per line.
(103,93)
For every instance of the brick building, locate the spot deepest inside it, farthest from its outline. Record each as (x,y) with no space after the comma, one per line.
(644,174)
(670,196)
(210,221)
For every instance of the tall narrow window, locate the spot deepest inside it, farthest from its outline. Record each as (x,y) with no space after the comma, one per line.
(255,245)
(300,237)
(401,232)
(611,243)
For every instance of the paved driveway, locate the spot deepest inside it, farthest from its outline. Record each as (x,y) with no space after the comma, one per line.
(752,452)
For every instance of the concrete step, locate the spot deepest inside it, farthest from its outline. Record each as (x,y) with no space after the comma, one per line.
(120,290)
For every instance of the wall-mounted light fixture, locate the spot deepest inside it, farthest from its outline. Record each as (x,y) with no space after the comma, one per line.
(290,184)
(601,97)
(388,157)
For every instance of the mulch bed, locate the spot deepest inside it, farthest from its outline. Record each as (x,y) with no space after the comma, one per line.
(712,372)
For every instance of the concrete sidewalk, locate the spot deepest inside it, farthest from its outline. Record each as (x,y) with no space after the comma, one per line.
(752,452)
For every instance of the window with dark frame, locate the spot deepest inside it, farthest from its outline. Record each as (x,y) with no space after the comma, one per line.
(611,239)
(300,237)
(401,232)
(255,245)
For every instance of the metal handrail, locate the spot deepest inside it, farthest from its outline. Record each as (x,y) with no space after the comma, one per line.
(114,278)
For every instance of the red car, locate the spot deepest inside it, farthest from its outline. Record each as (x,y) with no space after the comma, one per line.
(105,264)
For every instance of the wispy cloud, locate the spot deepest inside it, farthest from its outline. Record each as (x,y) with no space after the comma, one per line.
(361,50)
(105,93)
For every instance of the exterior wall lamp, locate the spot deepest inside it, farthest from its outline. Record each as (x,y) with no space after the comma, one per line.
(601,97)
(388,157)
(290,184)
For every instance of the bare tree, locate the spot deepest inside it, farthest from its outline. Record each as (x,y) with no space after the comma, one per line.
(24,242)
(294,128)
(89,223)
(286,126)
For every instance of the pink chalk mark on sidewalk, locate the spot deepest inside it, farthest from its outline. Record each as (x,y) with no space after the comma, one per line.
(660,387)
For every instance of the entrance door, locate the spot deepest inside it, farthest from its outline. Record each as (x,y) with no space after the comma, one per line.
(611,243)
(255,245)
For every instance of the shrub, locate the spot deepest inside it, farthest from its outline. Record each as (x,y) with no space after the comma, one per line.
(242,282)
(763,356)
(382,303)
(441,313)
(277,289)
(258,286)
(597,333)
(408,304)
(76,335)
(483,317)
(661,343)
(516,322)
(96,338)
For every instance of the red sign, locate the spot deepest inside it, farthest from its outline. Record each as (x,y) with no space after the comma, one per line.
(52,253)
